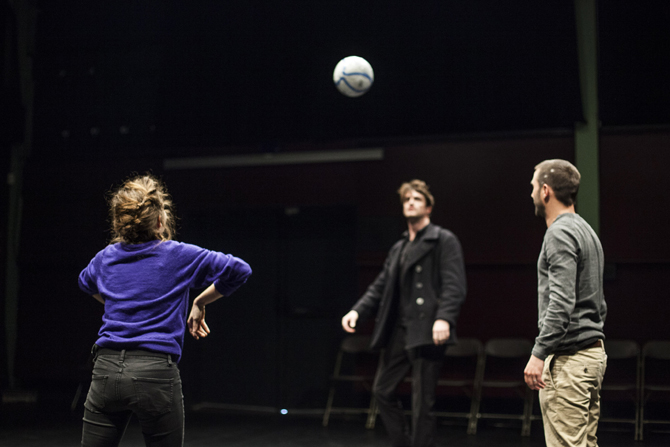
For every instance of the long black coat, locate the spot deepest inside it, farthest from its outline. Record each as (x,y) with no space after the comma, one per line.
(434,275)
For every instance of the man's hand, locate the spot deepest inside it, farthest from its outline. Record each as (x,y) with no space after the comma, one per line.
(196,322)
(533,373)
(441,332)
(349,321)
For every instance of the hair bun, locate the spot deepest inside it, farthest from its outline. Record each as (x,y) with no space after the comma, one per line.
(136,207)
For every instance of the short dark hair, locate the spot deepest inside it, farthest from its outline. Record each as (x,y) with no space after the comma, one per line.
(419,186)
(562,176)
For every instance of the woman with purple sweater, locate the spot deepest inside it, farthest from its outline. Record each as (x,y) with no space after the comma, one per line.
(143,279)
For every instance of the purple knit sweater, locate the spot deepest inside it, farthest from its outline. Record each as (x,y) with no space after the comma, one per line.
(145,288)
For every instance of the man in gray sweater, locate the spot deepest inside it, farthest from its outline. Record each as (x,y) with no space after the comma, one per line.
(568,361)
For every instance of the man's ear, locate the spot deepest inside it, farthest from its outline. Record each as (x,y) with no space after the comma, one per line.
(546,192)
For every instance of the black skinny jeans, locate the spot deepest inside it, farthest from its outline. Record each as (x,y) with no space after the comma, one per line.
(141,382)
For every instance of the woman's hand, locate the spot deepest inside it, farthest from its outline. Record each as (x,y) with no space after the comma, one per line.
(196,322)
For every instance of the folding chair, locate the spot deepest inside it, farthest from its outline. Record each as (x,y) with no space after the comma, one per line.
(655,378)
(622,377)
(460,371)
(502,368)
(355,348)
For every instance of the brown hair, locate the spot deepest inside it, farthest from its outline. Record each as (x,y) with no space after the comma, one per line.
(135,208)
(418,186)
(562,176)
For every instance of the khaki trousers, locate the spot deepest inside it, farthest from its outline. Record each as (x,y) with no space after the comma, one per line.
(570,401)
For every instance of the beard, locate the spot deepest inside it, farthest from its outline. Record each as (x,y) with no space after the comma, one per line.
(414,219)
(540,210)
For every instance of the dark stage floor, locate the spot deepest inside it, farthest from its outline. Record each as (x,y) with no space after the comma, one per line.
(55,426)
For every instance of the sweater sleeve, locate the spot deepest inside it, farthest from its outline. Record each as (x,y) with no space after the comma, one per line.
(225,271)
(88,277)
(562,251)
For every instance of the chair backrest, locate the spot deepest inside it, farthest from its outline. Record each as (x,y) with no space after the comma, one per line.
(621,349)
(466,347)
(657,349)
(508,347)
(353,344)
(623,363)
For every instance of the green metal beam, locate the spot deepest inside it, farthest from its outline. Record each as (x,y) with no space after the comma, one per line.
(587,133)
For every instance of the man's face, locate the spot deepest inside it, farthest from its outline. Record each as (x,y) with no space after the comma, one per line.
(537,197)
(414,206)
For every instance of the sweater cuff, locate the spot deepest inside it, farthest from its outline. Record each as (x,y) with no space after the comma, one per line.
(539,353)
(88,290)
(225,289)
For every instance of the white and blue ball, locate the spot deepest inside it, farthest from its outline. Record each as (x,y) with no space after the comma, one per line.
(353,76)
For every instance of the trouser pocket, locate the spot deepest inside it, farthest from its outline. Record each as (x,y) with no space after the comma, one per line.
(154,396)
(97,393)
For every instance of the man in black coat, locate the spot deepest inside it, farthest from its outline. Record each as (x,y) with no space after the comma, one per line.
(417,298)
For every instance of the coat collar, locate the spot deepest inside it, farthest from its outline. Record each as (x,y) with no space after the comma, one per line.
(431,231)
(425,244)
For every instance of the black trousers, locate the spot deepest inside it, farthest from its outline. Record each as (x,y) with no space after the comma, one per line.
(141,382)
(425,363)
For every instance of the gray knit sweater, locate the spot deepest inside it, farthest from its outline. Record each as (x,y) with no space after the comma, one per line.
(571,303)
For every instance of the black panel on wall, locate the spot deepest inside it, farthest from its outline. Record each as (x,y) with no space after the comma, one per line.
(634,66)
(272,341)
(167,73)
(244,325)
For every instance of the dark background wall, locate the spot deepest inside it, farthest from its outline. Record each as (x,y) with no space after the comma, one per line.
(229,73)
(468,98)
(316,235)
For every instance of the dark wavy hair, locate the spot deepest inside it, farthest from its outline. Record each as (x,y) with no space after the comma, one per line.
(135,209)
(418,186)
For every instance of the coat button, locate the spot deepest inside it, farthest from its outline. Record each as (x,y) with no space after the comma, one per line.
(419,285)
(418,269)
(419,301)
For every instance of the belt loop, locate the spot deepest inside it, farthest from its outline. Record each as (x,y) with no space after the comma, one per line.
(122,355)
(169,357)
(94,353)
